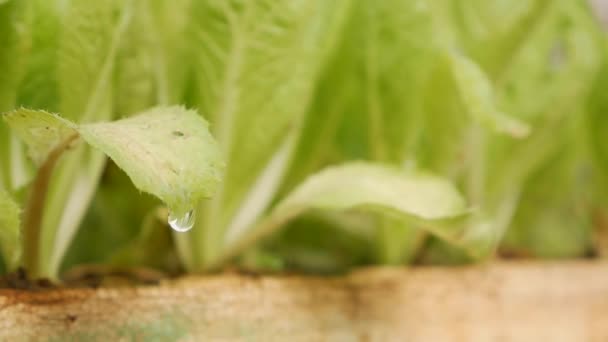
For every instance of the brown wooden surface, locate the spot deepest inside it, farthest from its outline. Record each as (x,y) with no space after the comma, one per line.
(498,302)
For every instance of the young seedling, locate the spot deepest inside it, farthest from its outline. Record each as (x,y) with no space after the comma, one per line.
(144,146)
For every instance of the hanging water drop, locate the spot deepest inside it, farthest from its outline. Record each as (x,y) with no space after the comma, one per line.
(182,223)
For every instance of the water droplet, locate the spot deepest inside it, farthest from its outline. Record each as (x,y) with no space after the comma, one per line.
(182,223)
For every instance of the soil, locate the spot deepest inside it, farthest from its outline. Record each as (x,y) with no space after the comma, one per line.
(85,276)
(499,301)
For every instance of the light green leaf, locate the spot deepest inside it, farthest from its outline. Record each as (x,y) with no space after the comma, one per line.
(89,37)
(558,58)
(14,43)
(255,65)
(166,151)
(421,198)
(366,103)
(168,23)
(135,65)
(373,186)
(478,98)
(558,64)
(42,131)
(170,154)
(597,121)
(492,32)
(559,225)
(10,243)
(39,88)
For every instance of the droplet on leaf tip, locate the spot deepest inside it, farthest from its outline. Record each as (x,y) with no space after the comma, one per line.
(182,223)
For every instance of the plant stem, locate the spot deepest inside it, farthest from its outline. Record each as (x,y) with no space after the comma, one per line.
(34,208)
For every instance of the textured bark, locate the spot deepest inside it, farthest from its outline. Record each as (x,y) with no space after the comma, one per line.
(497,302)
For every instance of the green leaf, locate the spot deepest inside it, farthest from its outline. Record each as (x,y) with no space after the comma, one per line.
(255,65)
(42,131)
(166,151)
(134,87)
(151,65)
(420,198)
(89,35)
(492,32)
(14,40)
(90,38)
(170,153)
(168,23)
(39,87)
(366,103)
(10,243)
(597,122)
(557,64)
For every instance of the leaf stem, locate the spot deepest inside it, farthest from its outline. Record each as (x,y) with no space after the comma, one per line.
(34,208)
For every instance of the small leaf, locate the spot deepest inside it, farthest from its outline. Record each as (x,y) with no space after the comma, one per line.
(166,151)
(477,95)
(418,197)
(42,131)
(10,243)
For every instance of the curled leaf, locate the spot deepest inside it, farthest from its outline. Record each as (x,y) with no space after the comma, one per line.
(421,198)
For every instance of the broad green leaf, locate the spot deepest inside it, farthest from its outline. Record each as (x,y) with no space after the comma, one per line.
(170,154)
(372,186)
(420,198)
(166,151)
(255,64)
(10,242)
(366,102)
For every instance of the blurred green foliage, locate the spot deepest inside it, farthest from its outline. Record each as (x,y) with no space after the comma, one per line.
(505,99)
